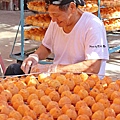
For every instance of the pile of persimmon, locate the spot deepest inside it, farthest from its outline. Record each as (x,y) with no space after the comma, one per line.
(60,97)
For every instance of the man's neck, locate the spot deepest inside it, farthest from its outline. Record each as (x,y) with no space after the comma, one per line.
(74,19)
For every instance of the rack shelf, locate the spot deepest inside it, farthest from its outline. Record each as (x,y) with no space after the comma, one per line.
(22,54)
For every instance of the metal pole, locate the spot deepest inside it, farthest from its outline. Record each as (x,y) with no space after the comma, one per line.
(22,27)
(99,9)
(15,39)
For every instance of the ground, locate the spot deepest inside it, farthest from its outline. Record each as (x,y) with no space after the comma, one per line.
(9,22)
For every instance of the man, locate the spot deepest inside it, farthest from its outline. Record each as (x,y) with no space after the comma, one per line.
(77,39)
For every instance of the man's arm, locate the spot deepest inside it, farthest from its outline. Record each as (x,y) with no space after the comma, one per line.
(88,66)
(42,52)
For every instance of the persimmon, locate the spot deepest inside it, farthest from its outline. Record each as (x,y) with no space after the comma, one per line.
(91,82)
(31,89)
(5,109)
(60,78)
(21,85)
(64,100)
(7,94)
(105,102)
(3,103)
(10,108)
(97,106)
(55,75)
(110,118)
(16,104)
(63,117)
(15,114)
(25,94)
(107,79)
(108,92)
(77,88)
(12,88)
(12,119)
(48,90)
(63,88)
(84,76)
(89,100)
(28,78)
(103,84)
(70,83)
(55,84)
(72,114)
(99,87)
(115,107)
(54,95)
(85,110)
(115,94)
(114,86)
(3,98)
(116,101)
(42,86)
(38,109)
(118,81)
(69,75)
(22,108)
(55,112)
(94,92)
(6,83)
(31,97)
(79,104)
(101,96)
(83,93)
(34,102)
(47,80)
(1,88)
(33,82)
(66,107)
(98,115)
(45,100)
(118,116)
(41,77)
(30,113)
(66,93)
(82,117)
(39,93)
(16,98)
(94,77)
(109,112)
(45,116)
(85,85)
(74,98)
(3,116)
(77,79)
(51,105)
(27,118)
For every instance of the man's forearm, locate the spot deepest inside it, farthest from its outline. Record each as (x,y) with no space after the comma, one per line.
(89,66)
(42,52)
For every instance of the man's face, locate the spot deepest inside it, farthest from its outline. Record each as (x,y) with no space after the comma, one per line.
(58,16)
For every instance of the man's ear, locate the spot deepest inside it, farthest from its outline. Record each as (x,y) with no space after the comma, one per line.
(72,7)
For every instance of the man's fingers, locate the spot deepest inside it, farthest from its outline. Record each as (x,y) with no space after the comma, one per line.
(34,69)
(26,66)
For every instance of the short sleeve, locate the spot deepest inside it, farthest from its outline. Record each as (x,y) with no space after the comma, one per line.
(48,38)
(96,46)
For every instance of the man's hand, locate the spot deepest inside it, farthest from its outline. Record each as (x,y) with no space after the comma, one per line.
(29,62)
(40,68)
